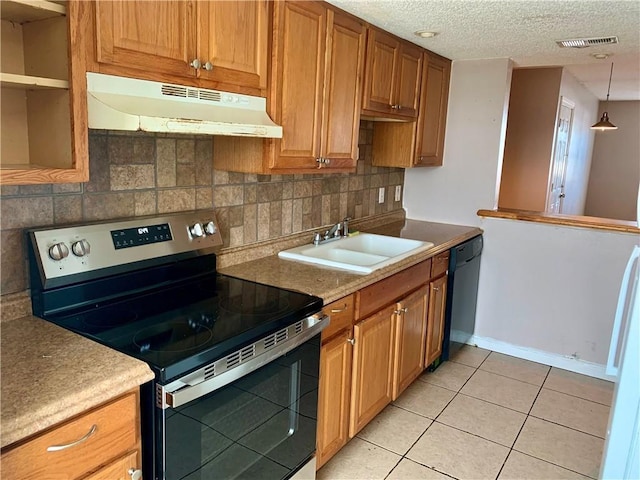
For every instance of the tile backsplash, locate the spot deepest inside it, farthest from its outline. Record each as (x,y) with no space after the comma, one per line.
(137,174)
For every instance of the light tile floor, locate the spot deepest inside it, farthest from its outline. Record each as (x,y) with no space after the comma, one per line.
(484,415)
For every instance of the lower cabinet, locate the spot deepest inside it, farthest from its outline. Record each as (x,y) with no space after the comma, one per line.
(378,342)
(410,325)
(103,443)
(437,307)
(372,368)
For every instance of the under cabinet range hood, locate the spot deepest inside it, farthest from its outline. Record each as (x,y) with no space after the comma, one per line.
(119,103)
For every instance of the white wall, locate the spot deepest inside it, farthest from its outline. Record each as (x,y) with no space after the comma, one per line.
(550,288)
(474,142)
(615,169)
(545,292)
(585,114)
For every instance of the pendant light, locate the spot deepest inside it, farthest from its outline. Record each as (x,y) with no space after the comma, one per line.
(604,123)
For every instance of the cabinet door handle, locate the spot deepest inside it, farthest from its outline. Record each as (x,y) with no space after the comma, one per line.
(196,63)
(352,341)
(400,311)
(57,448)
(208,66)
(339,310)
(436,289)
(135,474)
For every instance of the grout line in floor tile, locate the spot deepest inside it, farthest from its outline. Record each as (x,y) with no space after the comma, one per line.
(566,426)
(511,378)
(492,403)
(394,467)
(469,433)
(576,396)
(552,463)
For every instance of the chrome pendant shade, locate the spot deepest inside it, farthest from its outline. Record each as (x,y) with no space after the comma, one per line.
(605,123)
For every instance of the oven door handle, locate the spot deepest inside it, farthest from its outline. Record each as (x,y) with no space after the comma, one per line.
(179,393)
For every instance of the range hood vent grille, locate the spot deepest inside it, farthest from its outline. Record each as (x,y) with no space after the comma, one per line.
(186,92)
(587,42)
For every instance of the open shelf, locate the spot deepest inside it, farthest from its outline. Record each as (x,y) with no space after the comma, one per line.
(12,80)
(23,11)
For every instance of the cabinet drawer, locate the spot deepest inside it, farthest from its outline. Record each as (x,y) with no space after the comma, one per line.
(115,433)
(118,469)
(378,295)
(440,264)
(341,313)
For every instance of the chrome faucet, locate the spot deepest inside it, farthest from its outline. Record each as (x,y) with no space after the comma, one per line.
(339,230)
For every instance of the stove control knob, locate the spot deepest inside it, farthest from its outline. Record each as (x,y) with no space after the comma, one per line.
(210,228)
(196,230)
(81,248)
(58,251)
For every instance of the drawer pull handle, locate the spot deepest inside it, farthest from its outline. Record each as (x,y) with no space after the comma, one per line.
(352,341)
(339,310)
(57,448)
(401,311)
(135,474)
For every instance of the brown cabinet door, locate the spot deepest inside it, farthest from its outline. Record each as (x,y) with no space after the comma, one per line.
(433,110)
(383,53)
(333,396)
(408,81)
(342,97)
(118,469)
(410,322)
(435,319)
(233,38)
(298,76)
(372,368)
(157,36)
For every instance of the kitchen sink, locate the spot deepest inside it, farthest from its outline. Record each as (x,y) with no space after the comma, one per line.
(362,253)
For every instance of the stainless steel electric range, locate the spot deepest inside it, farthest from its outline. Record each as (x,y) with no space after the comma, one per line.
(236,363)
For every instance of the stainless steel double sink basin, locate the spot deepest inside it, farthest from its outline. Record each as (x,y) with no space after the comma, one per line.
(362,253)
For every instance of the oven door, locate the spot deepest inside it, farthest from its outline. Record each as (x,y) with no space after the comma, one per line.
(262,425)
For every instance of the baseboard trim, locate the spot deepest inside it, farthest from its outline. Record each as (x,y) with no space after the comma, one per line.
(552,359)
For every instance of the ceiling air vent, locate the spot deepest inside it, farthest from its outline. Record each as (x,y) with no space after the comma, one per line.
(587,42)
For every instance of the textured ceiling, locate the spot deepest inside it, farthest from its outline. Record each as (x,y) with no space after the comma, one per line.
(524,31)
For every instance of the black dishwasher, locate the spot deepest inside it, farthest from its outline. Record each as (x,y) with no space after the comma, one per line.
(462,285)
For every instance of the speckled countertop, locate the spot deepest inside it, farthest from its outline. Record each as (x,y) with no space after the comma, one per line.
(332,284)
(49,374)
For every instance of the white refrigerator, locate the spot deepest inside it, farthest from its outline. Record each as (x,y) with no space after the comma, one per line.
(621,457)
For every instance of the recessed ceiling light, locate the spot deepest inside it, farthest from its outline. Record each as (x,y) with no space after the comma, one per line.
(425,34)
(601,56)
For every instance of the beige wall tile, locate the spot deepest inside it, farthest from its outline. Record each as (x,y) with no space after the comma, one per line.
(132,177)
(26,212)
(108,205)
(457,453)
(166,162)
(185,150)
(145,203)
(561,446)
(227,195)
(12,267)
(176,200)
(67,209)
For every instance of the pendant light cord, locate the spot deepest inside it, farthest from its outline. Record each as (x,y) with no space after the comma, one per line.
(610,77)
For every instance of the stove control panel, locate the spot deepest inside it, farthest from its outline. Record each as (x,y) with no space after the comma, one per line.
(84,248)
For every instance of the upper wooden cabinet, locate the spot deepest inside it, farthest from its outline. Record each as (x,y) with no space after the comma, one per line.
(44,104)
(315,94)
(218,45)
(421,143)
(434,96)
(392,76)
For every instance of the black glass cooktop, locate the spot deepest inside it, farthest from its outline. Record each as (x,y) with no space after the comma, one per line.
(181,327)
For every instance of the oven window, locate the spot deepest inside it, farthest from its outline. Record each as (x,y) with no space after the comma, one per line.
(263,425)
